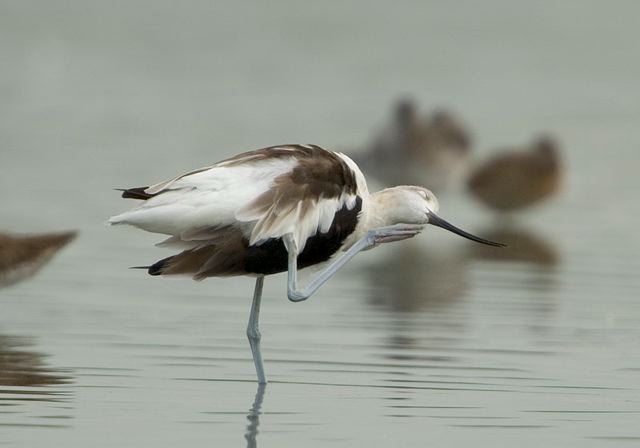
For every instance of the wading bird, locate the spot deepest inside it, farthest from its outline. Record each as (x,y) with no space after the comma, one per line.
(425,149)
(21,256)
(272,210)
(515,179)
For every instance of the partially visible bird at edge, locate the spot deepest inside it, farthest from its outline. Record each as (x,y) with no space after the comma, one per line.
(276,209)
(21,256)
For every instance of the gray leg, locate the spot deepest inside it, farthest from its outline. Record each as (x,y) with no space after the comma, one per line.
(253,333)
(373,238)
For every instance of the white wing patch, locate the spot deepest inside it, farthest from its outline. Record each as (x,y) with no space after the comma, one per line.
(205,199)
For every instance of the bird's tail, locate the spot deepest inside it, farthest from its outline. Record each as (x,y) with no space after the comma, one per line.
(188,262)
(159,267)
(135,193)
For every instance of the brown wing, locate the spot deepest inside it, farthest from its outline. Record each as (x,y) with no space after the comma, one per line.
(304,200)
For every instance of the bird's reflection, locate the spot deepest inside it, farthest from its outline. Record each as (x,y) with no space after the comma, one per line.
(522,246)
(21,256)
(253,416)
(413,278)
(539,257)
(431,279)
(20,366)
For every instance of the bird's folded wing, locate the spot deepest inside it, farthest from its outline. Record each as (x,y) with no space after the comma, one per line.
(302,202)
(293,189)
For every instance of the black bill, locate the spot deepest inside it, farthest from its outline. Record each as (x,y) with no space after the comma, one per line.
(439,222)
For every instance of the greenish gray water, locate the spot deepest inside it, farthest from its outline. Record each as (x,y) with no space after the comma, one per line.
(425,341)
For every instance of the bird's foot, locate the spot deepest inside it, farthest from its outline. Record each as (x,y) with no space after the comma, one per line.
(393,233)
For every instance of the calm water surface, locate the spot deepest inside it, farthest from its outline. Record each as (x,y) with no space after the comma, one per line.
(430,341)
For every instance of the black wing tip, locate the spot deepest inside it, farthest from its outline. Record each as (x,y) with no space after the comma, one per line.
(156,268)
(150,269)
(135,193)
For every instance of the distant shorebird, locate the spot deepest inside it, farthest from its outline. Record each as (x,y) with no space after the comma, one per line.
(516,179)
(21,256)
(431,150)
(272,210)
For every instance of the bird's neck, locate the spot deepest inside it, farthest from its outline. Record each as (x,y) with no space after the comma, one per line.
(376,213)
(372,216)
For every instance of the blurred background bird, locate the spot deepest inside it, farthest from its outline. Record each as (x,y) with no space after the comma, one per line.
(21,256)
(520,177)
(431,149)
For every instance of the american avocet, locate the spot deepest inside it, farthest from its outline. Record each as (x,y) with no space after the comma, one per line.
(518,178)
(272,210)
(432,149)
(21,256)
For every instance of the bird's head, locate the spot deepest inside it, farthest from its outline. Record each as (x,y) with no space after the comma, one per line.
(418,205)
